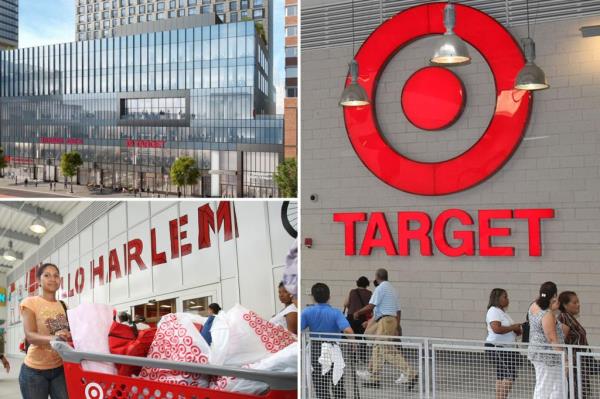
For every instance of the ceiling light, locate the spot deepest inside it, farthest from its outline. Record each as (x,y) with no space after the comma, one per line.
(451,49)
(9,254)
(38,225)
(589,31)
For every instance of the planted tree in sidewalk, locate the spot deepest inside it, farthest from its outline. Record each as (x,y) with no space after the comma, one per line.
(286,177)
(3,163)
(69,164)
(184,172)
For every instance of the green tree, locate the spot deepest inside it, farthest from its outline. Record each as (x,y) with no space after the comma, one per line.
(286,177)
(184,171)
(69,164)
(3,163)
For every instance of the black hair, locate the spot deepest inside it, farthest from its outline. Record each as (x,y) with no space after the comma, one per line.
(495,297)
(124,317)
(215,308)
(381,274)
(548,291)
(40,270)
(565,298)
(320,292)
(362,282)
(281,285)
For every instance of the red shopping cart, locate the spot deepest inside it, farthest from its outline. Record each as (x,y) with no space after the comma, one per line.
(83,384)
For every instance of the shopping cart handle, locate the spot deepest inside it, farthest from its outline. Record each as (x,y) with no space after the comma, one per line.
(275,379)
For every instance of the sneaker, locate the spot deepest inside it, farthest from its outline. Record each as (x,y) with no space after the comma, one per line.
(372,384)
(363,374)
(402,379)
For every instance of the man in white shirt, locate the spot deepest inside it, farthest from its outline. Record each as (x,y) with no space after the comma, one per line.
(385,306)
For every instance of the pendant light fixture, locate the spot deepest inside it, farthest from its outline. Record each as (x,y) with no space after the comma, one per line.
(451,49)
(531,77)
(354,95)
(10,254)
(38,225)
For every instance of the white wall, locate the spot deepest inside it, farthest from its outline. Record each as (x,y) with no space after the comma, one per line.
(238,269)
(447,297)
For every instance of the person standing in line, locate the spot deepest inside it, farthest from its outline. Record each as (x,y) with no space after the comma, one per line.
(213,310)
(385,306)
(502,332)
(288,316)
(575,334)
(44,320)
(356,300)
(322,318)
(545,334)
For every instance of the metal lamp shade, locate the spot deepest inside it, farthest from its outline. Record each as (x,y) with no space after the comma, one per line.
(38,226)
(451,50)
(354,95)
(9,254)
(531,77)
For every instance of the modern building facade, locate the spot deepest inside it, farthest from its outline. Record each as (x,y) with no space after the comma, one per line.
(290,101)
(100,18)
(9,24)
(133,104)
(556,166)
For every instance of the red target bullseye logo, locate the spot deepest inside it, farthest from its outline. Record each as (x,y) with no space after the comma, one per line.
(93,390)
(495,146)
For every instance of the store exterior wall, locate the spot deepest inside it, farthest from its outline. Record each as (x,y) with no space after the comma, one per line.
(556,166)
(230,253)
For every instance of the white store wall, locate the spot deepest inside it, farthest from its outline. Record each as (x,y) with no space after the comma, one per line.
(556,166)
(244,269)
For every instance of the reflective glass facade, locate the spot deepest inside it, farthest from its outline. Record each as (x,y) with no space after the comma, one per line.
(132,105)
(9,23)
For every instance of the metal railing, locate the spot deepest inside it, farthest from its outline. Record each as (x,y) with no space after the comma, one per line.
(365,366)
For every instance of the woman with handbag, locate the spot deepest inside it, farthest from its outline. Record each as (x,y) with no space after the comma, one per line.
(546,334)
(356,300)
(44,320)
(575,334)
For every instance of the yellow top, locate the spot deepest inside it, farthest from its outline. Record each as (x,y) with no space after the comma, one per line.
(50,318)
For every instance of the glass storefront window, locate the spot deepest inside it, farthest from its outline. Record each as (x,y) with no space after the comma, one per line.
(198,306)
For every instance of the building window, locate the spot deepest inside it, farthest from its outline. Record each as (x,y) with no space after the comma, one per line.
(258,3)
(150,7)
(291,72)
(233,6)
(181,13)
(258,13)
(173,4)
(291,92)
(291,51)
(219,8)
(244,4)
(291,31)
(160,5)
(160,15)
(205,9)
(142,9)
(192,2)
(172,14)
(291,11)
(153,109)
(233,17)
(152,311)
(198,306)
(192,11)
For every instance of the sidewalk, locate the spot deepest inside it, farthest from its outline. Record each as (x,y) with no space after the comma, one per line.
(8,188)
(9,383)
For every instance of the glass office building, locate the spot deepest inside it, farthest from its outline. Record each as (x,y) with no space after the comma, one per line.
(131,105)
(9,23)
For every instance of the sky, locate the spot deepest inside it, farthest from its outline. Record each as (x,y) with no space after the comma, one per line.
(44,22)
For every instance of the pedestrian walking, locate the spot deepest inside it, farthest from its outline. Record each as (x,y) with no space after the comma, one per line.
(385,306)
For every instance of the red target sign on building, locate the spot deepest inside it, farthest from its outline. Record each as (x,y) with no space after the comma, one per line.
(496,144)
